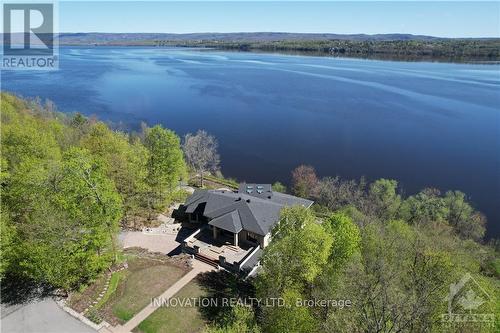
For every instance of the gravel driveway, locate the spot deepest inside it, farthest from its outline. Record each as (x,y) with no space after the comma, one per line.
(155,243)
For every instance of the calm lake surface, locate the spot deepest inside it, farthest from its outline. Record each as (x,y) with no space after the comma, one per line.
(424,124)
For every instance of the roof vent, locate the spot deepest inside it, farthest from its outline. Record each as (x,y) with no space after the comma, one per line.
(269,197)
(239,199)
(248,200)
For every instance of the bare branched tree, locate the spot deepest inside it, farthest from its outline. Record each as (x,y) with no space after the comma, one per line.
(304,181)
(200,152)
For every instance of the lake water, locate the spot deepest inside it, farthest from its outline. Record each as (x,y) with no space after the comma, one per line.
(424,124)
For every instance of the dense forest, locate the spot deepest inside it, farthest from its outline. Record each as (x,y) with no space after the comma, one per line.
(388,261)
(68,182)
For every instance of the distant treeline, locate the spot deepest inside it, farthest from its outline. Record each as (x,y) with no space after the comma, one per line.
(439,49)
(380,46)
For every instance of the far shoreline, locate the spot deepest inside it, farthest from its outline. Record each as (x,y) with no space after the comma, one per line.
(374,57)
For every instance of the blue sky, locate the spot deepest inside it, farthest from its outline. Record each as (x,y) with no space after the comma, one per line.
(443,19)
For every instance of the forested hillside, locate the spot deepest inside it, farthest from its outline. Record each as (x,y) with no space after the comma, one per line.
(68,181)
(433,49)
(381,46)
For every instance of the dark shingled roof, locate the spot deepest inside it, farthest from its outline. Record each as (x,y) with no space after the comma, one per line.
(230,222)
(256,211)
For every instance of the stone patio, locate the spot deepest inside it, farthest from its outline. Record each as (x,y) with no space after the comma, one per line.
(214,248)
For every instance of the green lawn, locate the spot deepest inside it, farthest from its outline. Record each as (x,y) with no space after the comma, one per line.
(176,319)
(135,286)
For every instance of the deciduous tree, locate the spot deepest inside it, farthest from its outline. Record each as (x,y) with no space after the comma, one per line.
(201,154)
(299,249)
(462,217)
(279,187)
(346,238)
(125,161)
(290,317)
(304,181)
(336,193)
(165,165)
(397,285)
(67,221)
(242,320)
(425,207)
(384,199)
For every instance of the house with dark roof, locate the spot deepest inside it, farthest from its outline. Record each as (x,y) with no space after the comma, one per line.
(234,225)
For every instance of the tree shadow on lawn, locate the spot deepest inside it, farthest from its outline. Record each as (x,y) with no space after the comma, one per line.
(19,290)
(221,285)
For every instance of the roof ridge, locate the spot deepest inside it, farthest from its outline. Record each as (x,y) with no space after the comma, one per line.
(257,222)
(228,221)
